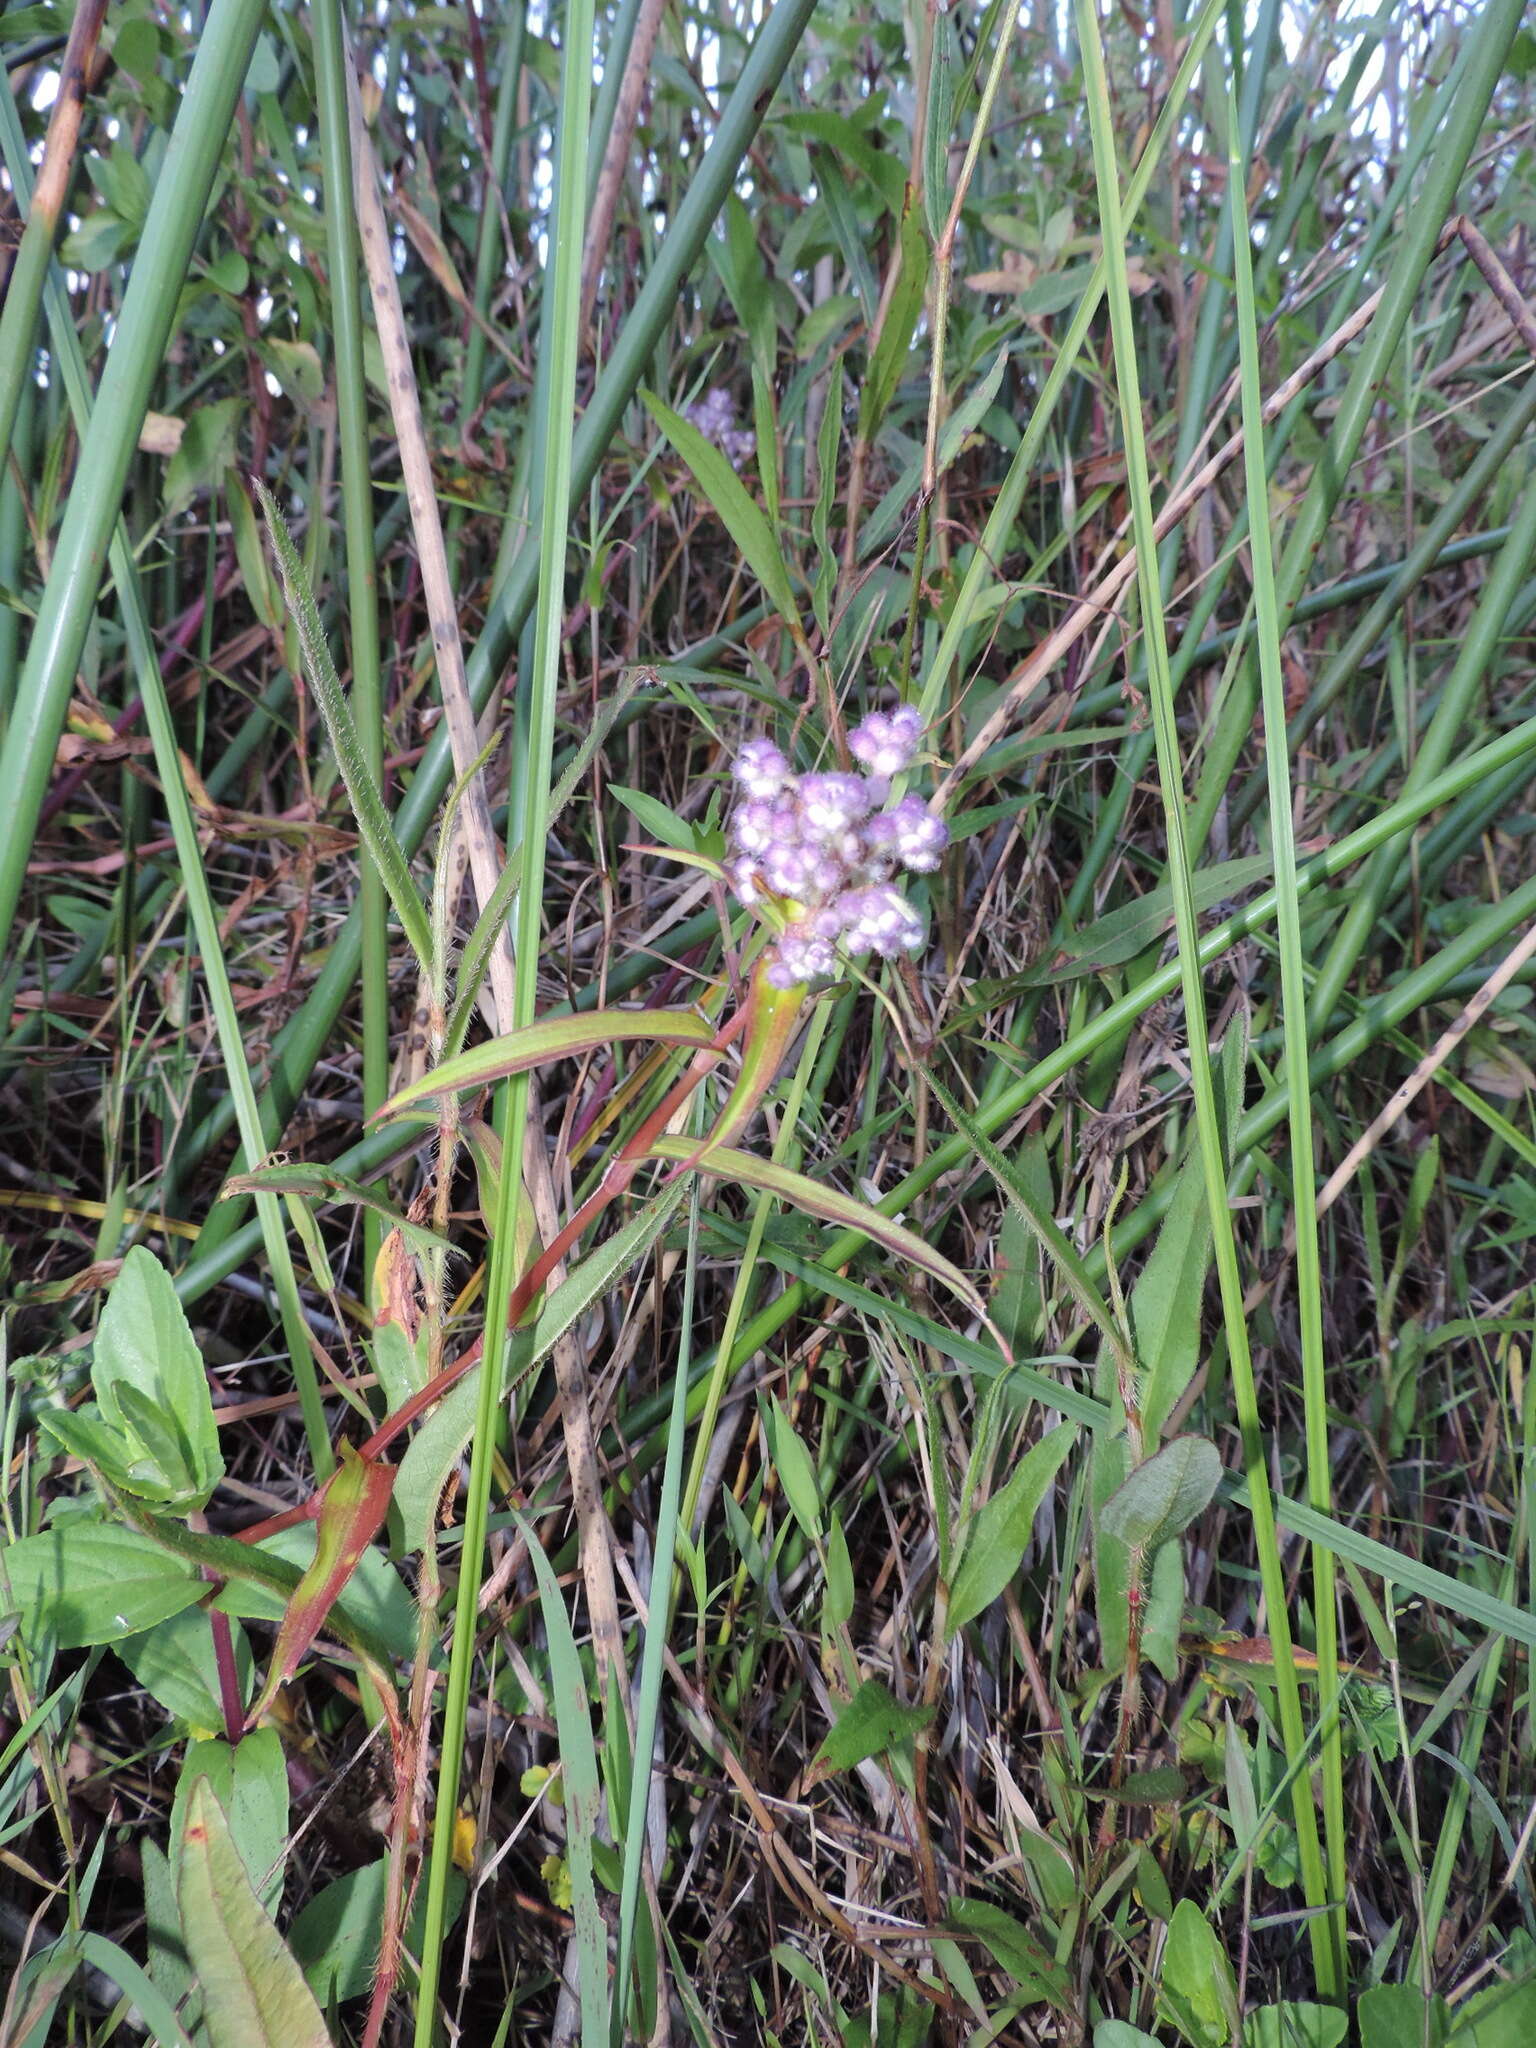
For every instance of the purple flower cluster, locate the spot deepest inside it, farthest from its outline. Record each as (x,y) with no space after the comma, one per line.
(715,417)
(822,843)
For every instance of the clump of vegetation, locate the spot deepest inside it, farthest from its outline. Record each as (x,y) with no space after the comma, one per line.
(767,1031)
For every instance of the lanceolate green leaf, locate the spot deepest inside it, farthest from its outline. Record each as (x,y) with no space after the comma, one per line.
(583,1792)
(740,515)
(325,1184)
(874,1720)
(552,1038)
(995,1544)
(1158,1499)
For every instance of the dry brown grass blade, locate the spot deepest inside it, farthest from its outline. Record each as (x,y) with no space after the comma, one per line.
(616,154)
(432,555)
(1421,1076)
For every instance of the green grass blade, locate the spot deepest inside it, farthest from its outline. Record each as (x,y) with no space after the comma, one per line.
(562,315)
(1293,1002)
(138,349)
(345,266)
(373,820)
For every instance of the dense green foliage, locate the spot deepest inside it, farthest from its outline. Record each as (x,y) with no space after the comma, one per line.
(982,1497)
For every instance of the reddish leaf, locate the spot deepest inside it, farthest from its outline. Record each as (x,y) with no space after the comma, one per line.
(352,1509)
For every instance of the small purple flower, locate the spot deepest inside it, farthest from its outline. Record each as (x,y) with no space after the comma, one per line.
(917,836)
(742,876)
(830,804)
(800,955)
(879,920)
(886,741)
(823,846)
(788,869)
(760,768)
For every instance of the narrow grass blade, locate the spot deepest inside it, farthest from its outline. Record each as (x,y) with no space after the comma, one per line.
(373,820)
(1293,1001)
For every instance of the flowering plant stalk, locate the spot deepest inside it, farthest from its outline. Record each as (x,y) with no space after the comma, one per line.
(817,855)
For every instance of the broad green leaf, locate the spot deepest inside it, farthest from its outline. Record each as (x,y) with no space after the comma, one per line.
(552,1038)
(1503,2015)
(854,144)
(1198,1991)
(174,1662)
(209,442)
(439,1442)
(91,1582)
(1014,1949)
(85,1433)
(724,1162)
(1121,2034)
(1400,2016)
(250,1783)
(739,514)
(1159,1499)
(664,825)
(254,1994)
(1000,1530)
(1296,2023)
(145,1342)
(872,1722)
(335,1939)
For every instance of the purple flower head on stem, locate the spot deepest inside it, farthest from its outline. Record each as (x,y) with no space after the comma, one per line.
(822,844)
(886,741)
(760,768)
(830,804)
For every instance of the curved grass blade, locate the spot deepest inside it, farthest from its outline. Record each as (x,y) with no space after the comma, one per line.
(552,1038)
(829,1206)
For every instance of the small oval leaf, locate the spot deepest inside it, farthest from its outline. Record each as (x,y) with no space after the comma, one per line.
(1159,1499)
